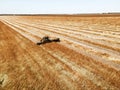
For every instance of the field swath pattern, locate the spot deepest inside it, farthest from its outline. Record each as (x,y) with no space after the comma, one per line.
(87,58)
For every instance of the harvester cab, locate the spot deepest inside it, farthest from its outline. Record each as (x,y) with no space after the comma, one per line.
(46,39)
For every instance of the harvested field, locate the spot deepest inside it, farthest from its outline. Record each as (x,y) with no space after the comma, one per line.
(87,58)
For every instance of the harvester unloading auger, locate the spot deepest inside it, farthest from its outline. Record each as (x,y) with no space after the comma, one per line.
(46,39)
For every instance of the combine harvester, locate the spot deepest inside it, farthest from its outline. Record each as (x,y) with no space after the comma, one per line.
(46,39)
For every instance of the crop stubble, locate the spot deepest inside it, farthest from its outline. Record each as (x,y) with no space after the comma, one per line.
(79,61)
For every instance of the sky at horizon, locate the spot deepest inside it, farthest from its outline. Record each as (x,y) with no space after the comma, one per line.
(58,6)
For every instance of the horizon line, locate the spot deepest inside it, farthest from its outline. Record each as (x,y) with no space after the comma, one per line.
(108,13)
